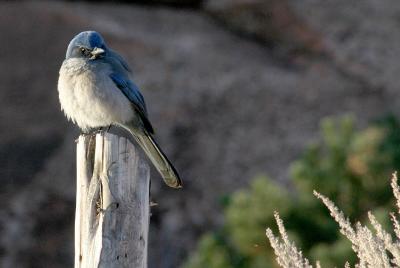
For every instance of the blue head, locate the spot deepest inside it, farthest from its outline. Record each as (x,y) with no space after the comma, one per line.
(87,45)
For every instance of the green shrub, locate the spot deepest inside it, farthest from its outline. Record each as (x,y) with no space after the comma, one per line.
(347,165)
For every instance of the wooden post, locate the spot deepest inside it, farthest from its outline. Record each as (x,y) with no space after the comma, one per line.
(112,203)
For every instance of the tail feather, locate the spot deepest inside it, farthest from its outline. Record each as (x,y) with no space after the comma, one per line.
(158,158)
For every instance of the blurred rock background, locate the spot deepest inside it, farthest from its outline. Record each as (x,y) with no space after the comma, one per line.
(235,88)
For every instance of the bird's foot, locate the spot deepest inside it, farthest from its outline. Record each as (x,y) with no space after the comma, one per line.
(94,131)
(84,134)
(99,130)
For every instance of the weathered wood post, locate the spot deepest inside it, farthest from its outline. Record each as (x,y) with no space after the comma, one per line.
(112,203)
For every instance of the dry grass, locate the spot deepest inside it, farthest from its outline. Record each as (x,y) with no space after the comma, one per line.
(374,248)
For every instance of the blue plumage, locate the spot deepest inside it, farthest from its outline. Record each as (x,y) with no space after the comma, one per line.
(131,91)
(96,90)
(88,39)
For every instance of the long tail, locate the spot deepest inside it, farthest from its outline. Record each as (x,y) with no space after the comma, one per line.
(157,157)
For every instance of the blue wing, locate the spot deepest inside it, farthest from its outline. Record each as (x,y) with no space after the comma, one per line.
(131,91)
(121,60)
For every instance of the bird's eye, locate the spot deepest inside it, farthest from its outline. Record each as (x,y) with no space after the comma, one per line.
(83,51)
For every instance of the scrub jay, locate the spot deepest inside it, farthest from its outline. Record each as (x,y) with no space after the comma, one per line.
(96,89)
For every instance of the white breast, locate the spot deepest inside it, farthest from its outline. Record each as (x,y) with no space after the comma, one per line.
(89,97)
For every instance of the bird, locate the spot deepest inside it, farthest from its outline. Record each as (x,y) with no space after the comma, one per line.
(96,89)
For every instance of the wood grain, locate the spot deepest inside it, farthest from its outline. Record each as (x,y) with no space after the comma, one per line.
(112,203)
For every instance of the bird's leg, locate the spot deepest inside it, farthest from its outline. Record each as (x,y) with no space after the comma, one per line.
(96,131)
(84,133)
(101,130)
